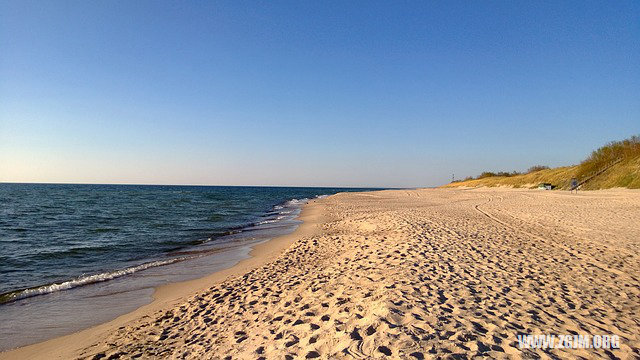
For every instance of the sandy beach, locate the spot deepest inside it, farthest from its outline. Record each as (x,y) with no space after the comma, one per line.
(403,274)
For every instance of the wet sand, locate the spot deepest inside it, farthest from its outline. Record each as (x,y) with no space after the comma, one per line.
(403,274)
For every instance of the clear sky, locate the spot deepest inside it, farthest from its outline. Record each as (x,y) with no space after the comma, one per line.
(355,93)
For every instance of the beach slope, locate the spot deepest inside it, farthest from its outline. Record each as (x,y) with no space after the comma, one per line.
(411,274)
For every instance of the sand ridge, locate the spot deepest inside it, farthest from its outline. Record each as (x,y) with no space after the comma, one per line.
(419,274)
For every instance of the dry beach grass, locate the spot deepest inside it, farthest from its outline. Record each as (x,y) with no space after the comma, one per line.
(415,274)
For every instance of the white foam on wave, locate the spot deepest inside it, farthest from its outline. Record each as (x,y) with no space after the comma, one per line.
(267,221)
(87,279)
(297,202)
(285,211)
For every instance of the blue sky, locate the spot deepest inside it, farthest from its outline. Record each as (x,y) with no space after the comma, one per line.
(353,93)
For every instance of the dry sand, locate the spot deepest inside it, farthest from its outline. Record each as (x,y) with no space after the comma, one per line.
(404,274)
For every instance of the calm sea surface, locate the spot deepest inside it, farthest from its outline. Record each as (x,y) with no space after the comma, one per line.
(72,256)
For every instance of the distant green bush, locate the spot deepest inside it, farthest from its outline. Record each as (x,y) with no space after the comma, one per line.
(504,173)
(486,174)
(537,168)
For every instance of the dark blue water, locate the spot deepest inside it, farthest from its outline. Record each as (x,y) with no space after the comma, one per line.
(72,256)
(55,233)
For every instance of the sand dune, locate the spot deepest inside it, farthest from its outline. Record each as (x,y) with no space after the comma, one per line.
(418,274)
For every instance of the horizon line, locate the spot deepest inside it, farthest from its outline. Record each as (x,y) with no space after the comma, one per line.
(211,185)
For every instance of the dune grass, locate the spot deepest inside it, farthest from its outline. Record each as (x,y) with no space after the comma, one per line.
(625,173)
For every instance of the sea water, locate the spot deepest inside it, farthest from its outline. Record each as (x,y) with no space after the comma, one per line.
(73,256)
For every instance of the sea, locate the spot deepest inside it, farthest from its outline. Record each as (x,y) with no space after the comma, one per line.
(73,256)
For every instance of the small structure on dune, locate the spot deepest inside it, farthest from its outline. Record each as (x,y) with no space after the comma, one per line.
(545,186)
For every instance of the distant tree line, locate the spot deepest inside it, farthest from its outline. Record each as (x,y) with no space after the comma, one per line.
(487,174)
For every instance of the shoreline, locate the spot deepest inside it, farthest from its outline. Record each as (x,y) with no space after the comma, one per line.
(403,274)
(164,296)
